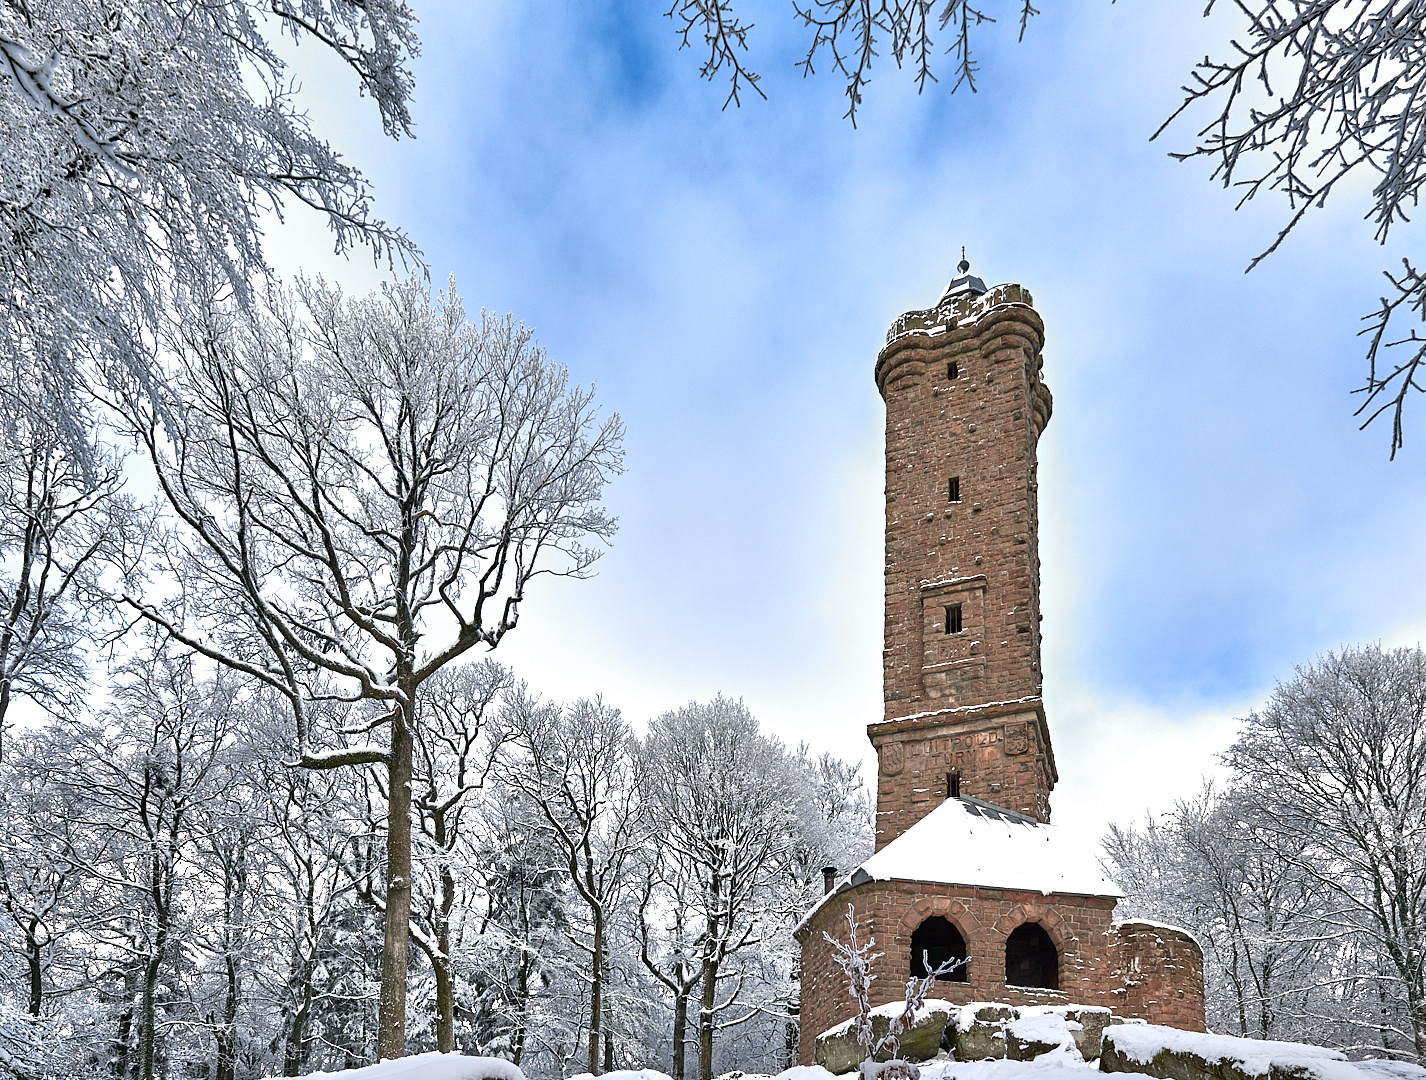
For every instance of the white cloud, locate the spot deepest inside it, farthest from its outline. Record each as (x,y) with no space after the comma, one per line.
(1210,514)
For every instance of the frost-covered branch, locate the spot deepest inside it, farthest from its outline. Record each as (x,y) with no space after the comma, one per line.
(1311,96)
(143,143)
(850,33)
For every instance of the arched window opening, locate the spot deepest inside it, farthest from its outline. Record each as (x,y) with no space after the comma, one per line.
(938,940)
(1031,959)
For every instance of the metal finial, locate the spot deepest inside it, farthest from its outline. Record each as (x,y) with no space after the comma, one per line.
(964,264)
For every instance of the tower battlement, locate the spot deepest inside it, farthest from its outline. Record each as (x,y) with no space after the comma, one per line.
(954,308)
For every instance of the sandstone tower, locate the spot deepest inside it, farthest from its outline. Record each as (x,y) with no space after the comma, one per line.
(967,865)
(965,406)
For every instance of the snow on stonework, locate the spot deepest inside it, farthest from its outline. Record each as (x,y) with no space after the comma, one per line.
(1052,1066)
(1140,1045)
(965,841)
(1056,1065)
(891,1010)
(1044,1028)
(433,1066)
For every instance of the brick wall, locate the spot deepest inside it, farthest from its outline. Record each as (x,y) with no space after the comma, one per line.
(891,911)
(1137,969)
(980,555)
(1159,971)
(1001,752)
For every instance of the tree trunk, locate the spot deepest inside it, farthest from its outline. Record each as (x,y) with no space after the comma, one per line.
(391,1015)
(608,1050)
(705,1021)
(235,881)
(445,1005)
(34,959)
(680,1032)
(4,708)
(445,982)
(223,1035)
(1416,1002)
(596,992)
(517,1037)
(792,1036)
(294,1058)
(119,1047)
(227,1028)
(147,1006)
(1240,1000)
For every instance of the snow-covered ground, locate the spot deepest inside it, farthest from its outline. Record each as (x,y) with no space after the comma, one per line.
(1136,1043)
(1049,1066)
(432,1066)
(455,1067)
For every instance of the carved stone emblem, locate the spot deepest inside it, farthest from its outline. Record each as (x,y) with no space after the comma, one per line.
(893,758)
(1017,739)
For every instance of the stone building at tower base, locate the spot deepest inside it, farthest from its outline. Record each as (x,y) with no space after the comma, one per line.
(988,872)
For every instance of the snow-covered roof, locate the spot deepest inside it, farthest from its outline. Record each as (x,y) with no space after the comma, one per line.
(965,841)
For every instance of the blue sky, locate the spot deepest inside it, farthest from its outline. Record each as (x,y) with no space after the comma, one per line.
(1210,514)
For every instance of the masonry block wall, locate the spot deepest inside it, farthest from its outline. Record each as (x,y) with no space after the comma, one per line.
(1159,970)
(1000,751)
(891,911)
(1140,970)
(965,406)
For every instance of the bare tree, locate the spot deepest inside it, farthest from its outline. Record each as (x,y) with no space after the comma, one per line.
(1266,933)
(63,522)
(671,940)
(524,926)
(454,756)
(138,778)
(855,958)
(365,495)
(576,768)
(309,824)
(1336,770)
(44,851)
(726,798)
(117,199)
(233,860)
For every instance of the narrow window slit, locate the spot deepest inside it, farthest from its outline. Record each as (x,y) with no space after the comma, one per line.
(955,489)
(953,370)
(953,619)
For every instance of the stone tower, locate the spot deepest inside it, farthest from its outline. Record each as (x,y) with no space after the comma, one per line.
(967,866)
(965,406)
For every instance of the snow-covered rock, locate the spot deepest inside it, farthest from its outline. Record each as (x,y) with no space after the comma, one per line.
(432,1066)
(1057,1066)
(977,1030)
(839,1052)
(1027,1037)
(1171,1054)
(1086,1024)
